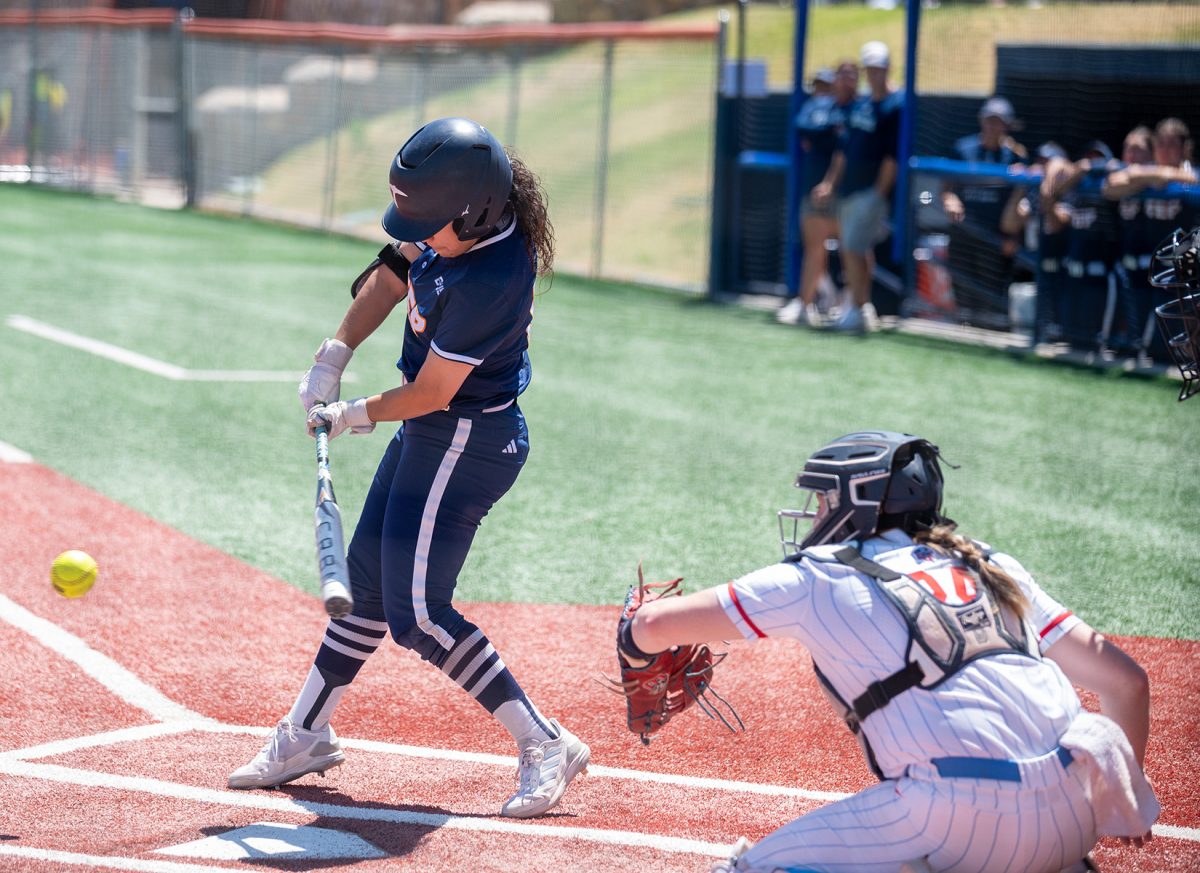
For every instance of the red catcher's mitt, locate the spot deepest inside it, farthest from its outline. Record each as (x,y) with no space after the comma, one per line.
(672,680)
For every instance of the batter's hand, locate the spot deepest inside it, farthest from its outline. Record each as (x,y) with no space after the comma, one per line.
(323,381)
(340,416)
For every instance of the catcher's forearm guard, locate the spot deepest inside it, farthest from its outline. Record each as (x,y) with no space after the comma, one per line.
(661,685)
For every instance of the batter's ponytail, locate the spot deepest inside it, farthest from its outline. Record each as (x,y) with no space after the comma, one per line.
(1000,585)
(528,203)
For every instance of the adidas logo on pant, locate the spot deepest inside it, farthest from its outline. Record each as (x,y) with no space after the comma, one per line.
(510,449)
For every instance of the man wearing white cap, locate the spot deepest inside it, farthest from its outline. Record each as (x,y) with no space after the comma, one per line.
(862,174)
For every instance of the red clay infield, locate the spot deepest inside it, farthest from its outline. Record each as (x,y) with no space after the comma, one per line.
(161,612)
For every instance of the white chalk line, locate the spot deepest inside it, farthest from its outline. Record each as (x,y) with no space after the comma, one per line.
(99,666)
(12,455)
(285,804)
(146,364)
(108,862)
(174,718)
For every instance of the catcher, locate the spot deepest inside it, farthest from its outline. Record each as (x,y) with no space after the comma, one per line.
(949,664)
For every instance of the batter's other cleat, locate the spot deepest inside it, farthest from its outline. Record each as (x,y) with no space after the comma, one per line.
(289,753)
(544,771)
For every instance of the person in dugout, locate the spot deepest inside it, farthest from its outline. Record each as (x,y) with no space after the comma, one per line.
(1152,160)
(1091,242)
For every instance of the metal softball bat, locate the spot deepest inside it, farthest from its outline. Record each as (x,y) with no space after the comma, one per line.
(331,542)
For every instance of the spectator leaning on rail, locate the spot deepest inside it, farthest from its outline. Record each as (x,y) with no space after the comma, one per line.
(1085,312)
(862,174)
(819,124)
(1044,238)
(981,255)
(1151,161)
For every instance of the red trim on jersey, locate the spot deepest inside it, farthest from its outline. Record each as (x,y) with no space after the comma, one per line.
(1054,624)
(733,596)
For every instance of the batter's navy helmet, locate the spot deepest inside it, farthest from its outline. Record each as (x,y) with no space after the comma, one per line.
(451,170)
(1178,268)
(868,480)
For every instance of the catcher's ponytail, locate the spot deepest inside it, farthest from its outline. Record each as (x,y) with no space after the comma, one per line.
(1000,585)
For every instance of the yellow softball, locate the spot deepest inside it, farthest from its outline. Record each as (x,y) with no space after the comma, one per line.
(73,573)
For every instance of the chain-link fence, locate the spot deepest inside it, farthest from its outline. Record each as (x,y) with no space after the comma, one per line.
(299,122)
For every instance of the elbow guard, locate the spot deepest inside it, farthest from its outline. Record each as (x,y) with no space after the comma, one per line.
(390,257)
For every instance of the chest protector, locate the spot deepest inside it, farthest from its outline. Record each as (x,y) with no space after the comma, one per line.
(942,638)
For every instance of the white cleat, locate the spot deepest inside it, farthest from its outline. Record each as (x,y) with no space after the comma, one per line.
(289,753)
(730,864)
(545,769)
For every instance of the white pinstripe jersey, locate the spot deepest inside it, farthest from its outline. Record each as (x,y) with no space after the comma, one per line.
(1000,706)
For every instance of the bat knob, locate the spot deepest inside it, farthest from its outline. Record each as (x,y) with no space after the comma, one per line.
(338,601)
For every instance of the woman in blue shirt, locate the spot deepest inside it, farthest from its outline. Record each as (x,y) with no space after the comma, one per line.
(473,235)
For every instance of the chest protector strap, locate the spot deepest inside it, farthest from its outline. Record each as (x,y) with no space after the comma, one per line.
(942,637)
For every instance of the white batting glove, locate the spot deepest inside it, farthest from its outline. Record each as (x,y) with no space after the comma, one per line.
(323,381)
(339,416)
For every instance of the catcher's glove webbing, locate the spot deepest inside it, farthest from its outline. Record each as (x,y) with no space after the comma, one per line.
(673,680)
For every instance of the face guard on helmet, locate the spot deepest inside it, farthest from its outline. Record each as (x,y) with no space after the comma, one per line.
(861,483)
(1179,319)
(451,170)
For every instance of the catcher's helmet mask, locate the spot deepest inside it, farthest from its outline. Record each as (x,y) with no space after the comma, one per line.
(862,483)
(452,170)
(1178,256)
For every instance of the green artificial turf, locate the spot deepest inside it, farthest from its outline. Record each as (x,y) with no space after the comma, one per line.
(663,428)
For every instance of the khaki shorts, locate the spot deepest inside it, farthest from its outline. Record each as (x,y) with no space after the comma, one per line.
(863,219)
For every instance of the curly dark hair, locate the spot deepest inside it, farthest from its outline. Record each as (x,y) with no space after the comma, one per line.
(528,203)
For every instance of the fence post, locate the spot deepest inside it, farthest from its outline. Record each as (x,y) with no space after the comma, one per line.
(183,107)
(791,236)
(718,213)
(327,207)
(901,249)
(515,58)
(32,131)
(602,159)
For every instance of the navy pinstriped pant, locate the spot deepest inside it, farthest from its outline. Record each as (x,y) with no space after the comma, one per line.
(437,480)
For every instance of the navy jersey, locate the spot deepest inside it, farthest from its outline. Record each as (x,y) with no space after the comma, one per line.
(475,308)
(819,123)
(984,201)
(871,134)
(1092,236)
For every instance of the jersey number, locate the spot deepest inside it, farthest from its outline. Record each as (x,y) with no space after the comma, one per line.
(952,585)
(415,319)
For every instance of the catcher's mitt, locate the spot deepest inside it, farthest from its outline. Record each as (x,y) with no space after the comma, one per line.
(657,691)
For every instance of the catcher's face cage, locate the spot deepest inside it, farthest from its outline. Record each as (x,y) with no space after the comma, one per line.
(1179,319)
(795,522)
(852,475)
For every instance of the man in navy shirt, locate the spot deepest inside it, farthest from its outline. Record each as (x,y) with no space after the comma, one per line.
(862,174)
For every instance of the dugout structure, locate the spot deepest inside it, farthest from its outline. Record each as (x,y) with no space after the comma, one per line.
(1075,73)
(298,122)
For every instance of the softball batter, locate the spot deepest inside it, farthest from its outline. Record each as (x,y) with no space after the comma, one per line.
(953,669)
(475,235)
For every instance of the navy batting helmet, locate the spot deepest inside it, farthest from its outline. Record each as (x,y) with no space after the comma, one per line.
(867,481)
(1178,269)
(451,170)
